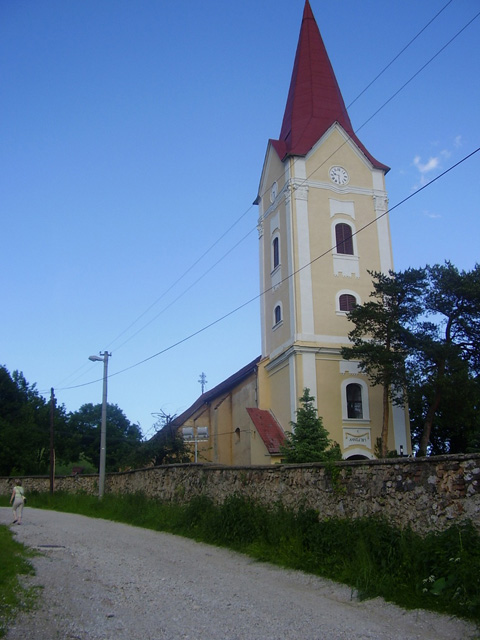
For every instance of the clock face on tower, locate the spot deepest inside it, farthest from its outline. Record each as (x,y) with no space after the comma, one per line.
(338,175)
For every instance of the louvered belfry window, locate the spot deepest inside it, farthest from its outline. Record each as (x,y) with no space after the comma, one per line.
(344,239)
(346,302)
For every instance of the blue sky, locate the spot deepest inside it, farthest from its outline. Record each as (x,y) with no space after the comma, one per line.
(132,140)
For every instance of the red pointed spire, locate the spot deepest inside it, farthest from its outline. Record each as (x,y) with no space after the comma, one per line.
(314,100)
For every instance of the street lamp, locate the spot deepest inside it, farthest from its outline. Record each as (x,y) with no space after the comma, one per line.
(103,430)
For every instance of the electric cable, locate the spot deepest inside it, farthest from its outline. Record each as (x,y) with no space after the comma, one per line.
(296,186)
(294,273)
(399,54)
(205,253)
(185,291)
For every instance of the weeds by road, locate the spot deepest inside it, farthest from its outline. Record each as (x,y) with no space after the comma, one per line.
(439,572)
(13,564)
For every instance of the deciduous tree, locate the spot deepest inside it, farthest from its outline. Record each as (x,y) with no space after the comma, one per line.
(167,446)
(123,437)
(24,426)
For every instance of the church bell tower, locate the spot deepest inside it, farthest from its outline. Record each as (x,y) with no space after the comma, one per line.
(322,226)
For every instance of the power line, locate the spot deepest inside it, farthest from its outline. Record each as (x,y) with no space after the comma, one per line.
(250,208)
(205,253)
(419,71)
(185,291)
(399,54)
(294,273)
(180,278)
(394,95)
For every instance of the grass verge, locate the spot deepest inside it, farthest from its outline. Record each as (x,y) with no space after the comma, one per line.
(13,564)
(439,572)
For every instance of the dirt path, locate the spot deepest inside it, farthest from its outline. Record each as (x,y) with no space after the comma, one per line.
(109,581)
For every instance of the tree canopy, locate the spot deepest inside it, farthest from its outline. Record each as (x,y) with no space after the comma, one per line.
(445,348)
(25,425)
(122,437)
(167,446)
(379,334)
(420,333)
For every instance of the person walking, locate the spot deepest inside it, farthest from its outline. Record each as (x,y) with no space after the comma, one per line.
(17,501)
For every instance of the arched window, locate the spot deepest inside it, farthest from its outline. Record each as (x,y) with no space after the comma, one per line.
(276,252)
(277,314)
(344,238)
(346,302)
(354,401)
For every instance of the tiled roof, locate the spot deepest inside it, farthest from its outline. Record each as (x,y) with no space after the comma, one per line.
(268,428)
(314,100)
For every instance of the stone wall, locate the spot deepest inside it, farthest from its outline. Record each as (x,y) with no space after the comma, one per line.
(425,493)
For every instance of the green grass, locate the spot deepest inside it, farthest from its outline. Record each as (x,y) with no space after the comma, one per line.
(13,564)
(439,572)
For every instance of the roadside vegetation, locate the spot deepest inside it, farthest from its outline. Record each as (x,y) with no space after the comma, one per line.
(439,572)
(14,563)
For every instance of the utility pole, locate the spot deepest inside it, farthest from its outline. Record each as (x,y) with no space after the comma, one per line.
(52,450)
(203,381)
(103,431)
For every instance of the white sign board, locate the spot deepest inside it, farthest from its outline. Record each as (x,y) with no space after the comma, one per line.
(353,437)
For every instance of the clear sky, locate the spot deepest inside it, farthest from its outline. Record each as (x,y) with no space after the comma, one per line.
(132,138)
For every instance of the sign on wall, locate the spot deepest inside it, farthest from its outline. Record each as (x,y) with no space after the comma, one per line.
(356,437)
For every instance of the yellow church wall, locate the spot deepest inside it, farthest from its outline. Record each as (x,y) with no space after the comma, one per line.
(243,397)
(276,283)
(279,384)
(223,428)
(259,453)
(328,396)
(358,210)
(326,205)
(274,173)
(329,405)
(264,399)
(333,149)
(229,426)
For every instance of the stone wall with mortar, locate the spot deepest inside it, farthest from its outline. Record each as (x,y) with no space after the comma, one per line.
(425,493)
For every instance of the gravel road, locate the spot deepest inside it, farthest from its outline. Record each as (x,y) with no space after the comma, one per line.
(109,581)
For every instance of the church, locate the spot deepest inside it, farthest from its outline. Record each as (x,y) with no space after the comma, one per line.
(322,225)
